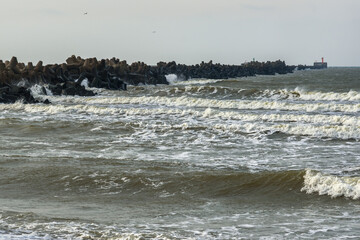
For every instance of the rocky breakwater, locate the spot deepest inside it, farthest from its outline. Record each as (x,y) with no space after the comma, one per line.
(111,73)
(222,71)
(68,78)
(64,79)
(9,92)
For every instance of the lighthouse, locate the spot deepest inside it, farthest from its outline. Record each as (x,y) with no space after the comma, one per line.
(320,65)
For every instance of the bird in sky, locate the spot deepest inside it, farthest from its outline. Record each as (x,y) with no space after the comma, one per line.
(85,13)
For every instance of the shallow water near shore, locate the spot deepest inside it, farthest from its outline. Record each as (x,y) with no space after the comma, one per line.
(259,157)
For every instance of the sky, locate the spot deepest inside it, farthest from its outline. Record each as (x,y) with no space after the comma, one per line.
(185,31)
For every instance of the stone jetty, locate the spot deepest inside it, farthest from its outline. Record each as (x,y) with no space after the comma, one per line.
(67,78)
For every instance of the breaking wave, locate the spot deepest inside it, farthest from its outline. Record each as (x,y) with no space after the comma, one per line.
(157,183)
(207,89)
(202,88)
(351,96)
(334,186)
(211,184)
(207,113)
(223,104)
(316,125)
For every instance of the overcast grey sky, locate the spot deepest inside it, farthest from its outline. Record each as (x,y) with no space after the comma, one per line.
(187,31)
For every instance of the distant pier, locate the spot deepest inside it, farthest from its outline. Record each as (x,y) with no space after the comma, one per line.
(320,65)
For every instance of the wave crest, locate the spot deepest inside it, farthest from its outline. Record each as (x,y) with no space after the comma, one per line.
(334,186)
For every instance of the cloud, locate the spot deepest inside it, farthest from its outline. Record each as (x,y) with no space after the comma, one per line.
(228,31)
(50,12)
(254,7)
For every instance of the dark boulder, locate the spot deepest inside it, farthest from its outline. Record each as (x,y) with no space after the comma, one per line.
(70,89)
(13,66)
(74,88)
(56,89)
(43,90)
(12,94)
(39,67)
(2,66)
(30,66)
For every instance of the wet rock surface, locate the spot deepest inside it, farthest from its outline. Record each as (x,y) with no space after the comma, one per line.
(13,93)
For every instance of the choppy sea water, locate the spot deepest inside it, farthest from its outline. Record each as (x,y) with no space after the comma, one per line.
(266,157)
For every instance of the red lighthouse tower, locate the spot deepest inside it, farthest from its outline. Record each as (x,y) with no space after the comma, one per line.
(319,65)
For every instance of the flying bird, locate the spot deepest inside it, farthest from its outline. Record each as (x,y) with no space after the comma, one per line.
(85,13)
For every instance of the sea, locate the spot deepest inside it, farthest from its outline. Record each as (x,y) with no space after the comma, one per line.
(263,157)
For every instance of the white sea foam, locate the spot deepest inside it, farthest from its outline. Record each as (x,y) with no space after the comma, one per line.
(72,231)
(14,228)
(36,90)
(318,125)
(196,81)
(297,93)
(81,108)
(270,104)
(330,96)
(300,118)
(198,86)
(224,104)
(334,186)
(85,83)
(207,113)
(328,131)
(172,78)
(23,83)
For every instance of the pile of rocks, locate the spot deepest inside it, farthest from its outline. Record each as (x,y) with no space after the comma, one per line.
(66,78)
(76,69)
(220,71)
(63,79)
(13,93)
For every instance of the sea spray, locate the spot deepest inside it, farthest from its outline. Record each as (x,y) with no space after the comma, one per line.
(334,186)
